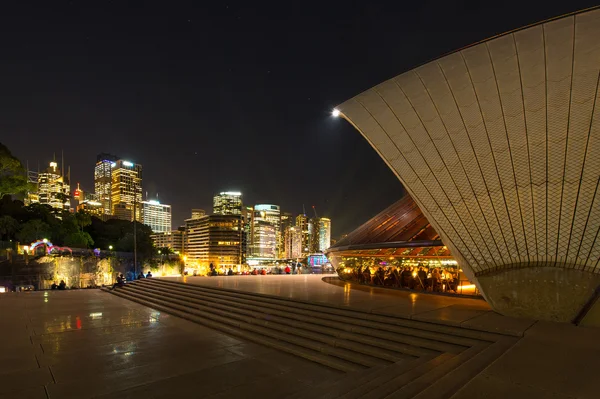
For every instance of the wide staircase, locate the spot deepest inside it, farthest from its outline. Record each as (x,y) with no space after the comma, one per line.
(379,356)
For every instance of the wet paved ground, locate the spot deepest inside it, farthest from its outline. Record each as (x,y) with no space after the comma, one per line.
(80,344)
(87,343)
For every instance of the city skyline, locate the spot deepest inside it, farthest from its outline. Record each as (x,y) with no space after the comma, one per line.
(125,82)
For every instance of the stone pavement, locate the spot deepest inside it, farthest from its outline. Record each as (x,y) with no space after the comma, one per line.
(457,311)
(80,344)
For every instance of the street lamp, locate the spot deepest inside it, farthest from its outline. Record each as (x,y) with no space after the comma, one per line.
(110,247)
(335,113)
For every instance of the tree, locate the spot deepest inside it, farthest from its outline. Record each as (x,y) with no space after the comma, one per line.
(83,219)
(13,176)
(79,239)
(166,250)
(33,230)
(8,227)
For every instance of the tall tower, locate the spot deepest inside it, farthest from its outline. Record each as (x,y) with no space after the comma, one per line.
(126,190)
(53,189)
(157,216)
(302,224)
(324,234)
(266,231)
(227,203)
(103,180)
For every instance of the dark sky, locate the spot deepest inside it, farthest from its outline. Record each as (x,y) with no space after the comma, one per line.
(229,95)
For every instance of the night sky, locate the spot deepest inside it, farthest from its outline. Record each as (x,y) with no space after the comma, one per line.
(226,96)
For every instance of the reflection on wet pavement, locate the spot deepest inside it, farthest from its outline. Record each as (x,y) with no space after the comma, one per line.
(85,343)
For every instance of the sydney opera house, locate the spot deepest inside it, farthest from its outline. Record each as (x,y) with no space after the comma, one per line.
(498,144)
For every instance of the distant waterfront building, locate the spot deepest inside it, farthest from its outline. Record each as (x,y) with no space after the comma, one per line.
(126,190)
(157,216)
(198,213)
(103,180)
(286,220)
(313,235)
(171,239)
(248,224)
(227,203)
(324,234)
(88,203)
(266,231)
(292,243)
(302,224)
(216,239)
(52,189)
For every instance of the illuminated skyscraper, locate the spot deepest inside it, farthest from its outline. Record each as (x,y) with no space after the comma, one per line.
(324,234)
(266,231)
(126,190)
(216,239)
(287,220)
(302,224)
(227,203)
(52,188)
(292,237)
(103,181)
(313,235)
(157,216)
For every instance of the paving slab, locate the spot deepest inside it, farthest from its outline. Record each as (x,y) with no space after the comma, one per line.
(496,323)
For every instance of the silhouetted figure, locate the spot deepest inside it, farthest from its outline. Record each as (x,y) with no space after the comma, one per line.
(149,274)
(54,286)
(287,270)
(141,276)
(62,285)
(230,272)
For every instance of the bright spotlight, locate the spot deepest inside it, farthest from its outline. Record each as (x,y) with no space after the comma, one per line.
(335,113)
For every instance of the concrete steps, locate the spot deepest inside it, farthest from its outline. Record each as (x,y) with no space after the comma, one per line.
(382,356)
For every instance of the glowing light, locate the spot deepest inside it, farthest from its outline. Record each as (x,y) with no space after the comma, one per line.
(335,113)
(127,163)
(231,193)
(110,247)
(154,202)
(96,315)
(45,241)
(2,290)
(113,164)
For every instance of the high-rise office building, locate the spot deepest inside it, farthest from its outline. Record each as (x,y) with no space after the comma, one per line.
(302,224)
(292,242)
(197,213)
(286,220)
(157,216)
(216,239)
(103,180)
(126,190)
(52,189)
(324,234)
(266,231)
(88,203)
(313,235)
(171,239)
(227,203)
(248,224)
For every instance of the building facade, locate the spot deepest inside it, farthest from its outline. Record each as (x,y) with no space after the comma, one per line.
(197,213)
(227,203)
(216,239)
(324,234)
(126,190)
(103,180)
(266,231)
(292,243)
(499,145)
(52,188)
(171,239)
(157,216)
(302,225)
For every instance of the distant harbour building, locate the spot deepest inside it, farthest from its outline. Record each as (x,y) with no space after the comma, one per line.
(286,221)
(266,231)
(302,225)
(313,235)
(171,239)
(103,180)
(126,190)
(216,239)
(292,243)
(52,189)
(88,203)
(324,234)
(227,203)
(157,216)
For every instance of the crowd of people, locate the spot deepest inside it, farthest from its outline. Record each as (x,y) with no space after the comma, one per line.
(419,278)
